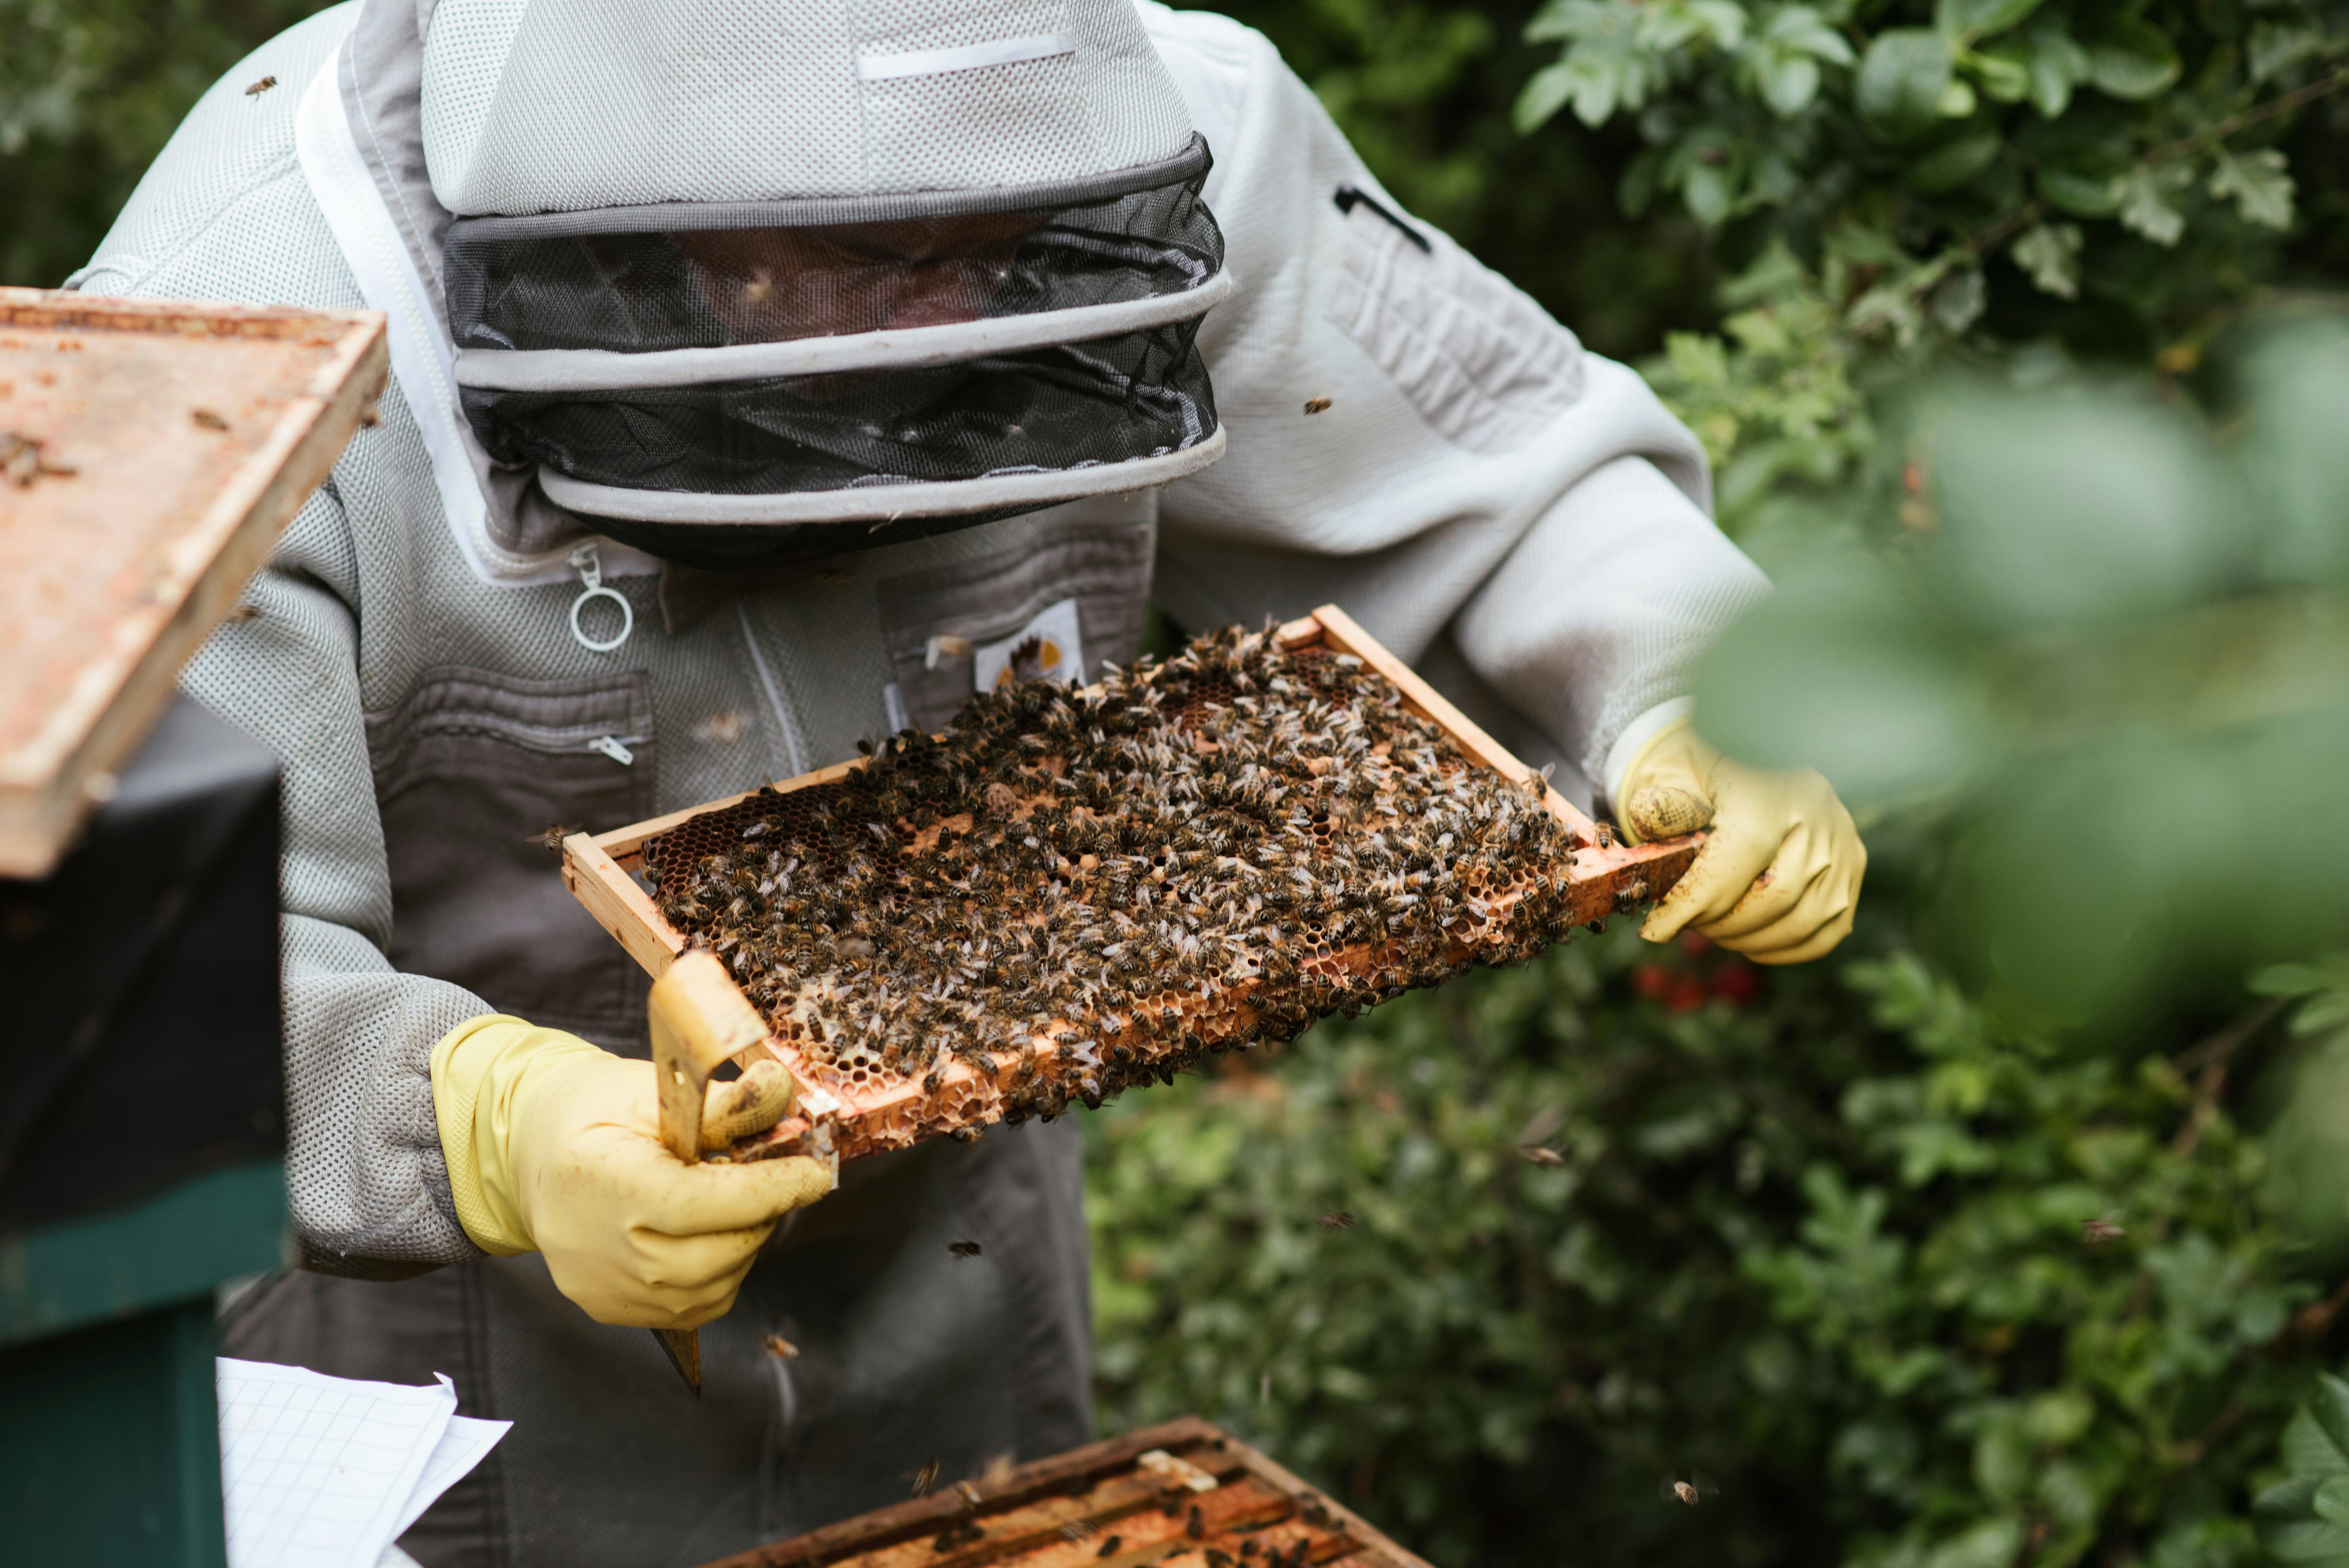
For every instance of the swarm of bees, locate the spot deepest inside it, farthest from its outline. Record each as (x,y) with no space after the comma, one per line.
(1073,892)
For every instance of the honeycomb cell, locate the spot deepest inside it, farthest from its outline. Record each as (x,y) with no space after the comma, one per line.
(1106,867)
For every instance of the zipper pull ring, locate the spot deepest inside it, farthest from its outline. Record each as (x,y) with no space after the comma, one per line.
(588,562)
(612,746)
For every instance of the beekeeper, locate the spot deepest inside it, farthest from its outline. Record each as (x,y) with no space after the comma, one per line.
(764,375)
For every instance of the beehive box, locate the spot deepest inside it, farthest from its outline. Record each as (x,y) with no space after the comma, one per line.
(150,453)
(1181,1495)
(854,1099)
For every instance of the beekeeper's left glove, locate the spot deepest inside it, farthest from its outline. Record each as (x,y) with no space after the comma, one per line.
(554,1146)
(1777,880)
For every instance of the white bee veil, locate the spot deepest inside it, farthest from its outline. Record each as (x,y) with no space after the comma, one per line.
(747,279)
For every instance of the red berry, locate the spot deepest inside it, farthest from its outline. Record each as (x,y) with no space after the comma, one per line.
(1737,983)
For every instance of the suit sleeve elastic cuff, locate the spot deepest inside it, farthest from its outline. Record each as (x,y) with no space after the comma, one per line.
(1638,736)
(459,1078)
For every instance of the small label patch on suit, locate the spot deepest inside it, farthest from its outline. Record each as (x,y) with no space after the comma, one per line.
(1048,649)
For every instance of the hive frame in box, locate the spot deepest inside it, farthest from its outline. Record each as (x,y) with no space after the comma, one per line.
(1127,1502)
(1602,878)
(177,439)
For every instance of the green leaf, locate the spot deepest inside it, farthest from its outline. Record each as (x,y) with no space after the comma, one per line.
(2082,191)
(2305,1518)
(2294,457)
(2316,1444)
(1551,88)
(1562,20)
(1801,28)
(1957,160)
(2057,64)
(1789,82)
(2259,183)
(1966,20)
(2003,71)
(1903,81)
(2148,200)
(1958,300)
(2049,255)
(2062,511)
(2133,60)
(1724,19)
(1709,189)
(2277,47)
(1843,667)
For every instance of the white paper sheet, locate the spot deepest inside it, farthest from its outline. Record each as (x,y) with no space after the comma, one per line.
(325,1472)
(466,1443)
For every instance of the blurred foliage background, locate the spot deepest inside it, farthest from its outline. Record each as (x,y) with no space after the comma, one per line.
(2014,1233)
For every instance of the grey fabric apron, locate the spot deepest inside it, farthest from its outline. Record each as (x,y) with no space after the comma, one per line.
(907,1355)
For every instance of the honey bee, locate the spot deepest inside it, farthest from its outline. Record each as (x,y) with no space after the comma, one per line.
(553,836)
(924,1478)
(964,1249)
(263,86)
(780,1348)
(1089,879)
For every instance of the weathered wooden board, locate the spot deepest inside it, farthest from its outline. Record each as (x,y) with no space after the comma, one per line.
(150,453)
(1180,1495)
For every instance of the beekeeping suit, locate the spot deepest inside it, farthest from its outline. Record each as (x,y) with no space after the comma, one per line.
(744,357)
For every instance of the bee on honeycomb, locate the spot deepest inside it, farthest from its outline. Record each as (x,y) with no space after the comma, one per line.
(1074,891)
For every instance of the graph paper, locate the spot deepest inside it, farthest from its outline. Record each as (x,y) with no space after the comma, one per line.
(325,1472)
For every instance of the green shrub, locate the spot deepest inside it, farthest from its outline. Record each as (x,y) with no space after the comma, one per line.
(1888,1283)
(89,91)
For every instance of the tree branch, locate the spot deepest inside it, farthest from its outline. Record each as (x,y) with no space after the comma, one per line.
(2212,1054)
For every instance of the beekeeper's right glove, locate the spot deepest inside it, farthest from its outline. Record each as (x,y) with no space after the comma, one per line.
(553,1147)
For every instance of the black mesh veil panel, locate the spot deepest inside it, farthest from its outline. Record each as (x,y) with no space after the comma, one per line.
(1131,397)
(725,276)
(1105,371)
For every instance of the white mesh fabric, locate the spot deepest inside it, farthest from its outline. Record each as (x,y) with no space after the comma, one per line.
(533,106)
(230,159)
(1473,472)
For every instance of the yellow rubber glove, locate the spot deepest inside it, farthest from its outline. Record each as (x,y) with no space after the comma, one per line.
(553,1147)
(1778,879)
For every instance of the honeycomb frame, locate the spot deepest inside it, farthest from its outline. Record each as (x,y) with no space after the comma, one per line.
(854,1113)
(1183,1494)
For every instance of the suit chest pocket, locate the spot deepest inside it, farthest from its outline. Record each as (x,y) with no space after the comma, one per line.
(473,771)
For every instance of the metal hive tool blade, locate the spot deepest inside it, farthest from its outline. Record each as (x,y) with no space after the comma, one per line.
(683,1348)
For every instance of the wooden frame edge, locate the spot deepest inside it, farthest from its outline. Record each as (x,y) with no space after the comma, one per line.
(1603,878)
(120,697)
(1038,1477)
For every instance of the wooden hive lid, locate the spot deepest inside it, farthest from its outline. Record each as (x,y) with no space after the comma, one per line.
(150,453)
